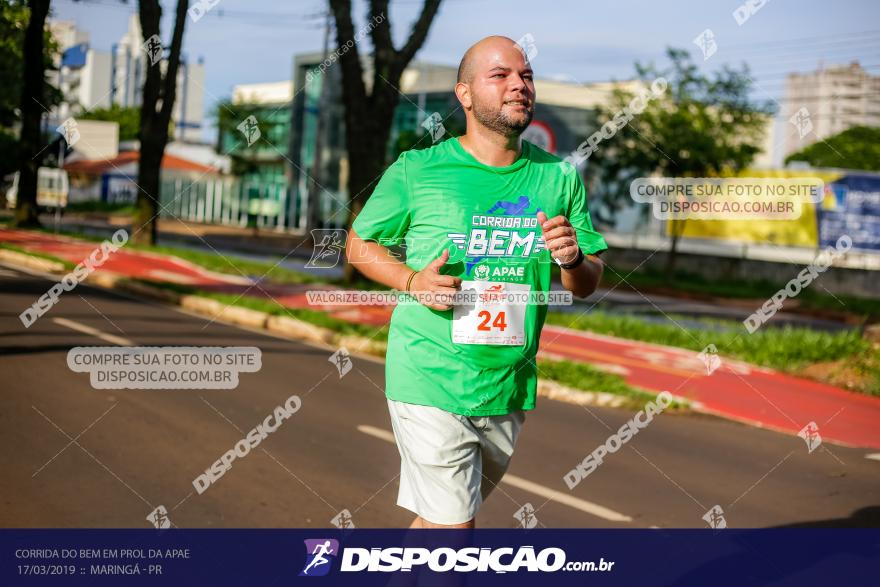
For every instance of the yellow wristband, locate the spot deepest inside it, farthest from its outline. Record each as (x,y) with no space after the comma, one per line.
(409,280)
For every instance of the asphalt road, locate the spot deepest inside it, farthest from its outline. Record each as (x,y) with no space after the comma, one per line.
(74,456)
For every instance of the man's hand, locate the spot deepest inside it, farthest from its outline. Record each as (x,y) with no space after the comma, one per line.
(560,238)
(431,280)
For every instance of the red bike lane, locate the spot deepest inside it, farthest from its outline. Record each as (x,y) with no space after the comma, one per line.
(734,389)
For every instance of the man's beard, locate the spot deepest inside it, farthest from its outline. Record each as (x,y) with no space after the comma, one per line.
(500,122)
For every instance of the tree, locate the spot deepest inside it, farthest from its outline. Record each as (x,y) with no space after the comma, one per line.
(14,18)
(13,22)
(368,117)
(128,118)
(700,126)
(30,139)
(230,141)
(410,139)
(855,148)
(156,107)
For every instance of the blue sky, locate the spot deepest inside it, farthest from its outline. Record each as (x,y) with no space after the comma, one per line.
(249,41)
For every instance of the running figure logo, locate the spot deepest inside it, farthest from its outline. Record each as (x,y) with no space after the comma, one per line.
(153,48)
(810,434)
(319,554)
(715,518)
(159,518)
(517,208)
(526,516)
(342,360)
(328,249)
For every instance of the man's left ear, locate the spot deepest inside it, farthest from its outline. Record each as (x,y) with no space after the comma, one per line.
(463,93)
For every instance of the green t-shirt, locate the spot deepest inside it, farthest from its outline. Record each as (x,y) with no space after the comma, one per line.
(443,198)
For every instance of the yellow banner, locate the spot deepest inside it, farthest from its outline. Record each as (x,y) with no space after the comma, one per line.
(801,231)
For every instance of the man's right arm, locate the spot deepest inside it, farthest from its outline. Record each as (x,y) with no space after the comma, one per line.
(380,265)
(376,262)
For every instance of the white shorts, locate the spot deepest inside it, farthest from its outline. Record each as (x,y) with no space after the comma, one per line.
(450,463)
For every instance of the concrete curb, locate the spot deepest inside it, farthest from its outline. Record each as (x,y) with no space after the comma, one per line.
(290,327)
(30,262)
(553,390)
(284,326)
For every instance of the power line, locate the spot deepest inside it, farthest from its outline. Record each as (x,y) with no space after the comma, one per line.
(808,55)
(812,40)
(783,75)
(841,54)
(245,17)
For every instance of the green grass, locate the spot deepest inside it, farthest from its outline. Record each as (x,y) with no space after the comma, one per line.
(743,289)
(272,307)
(102,207)
(585,377)
(867,364)
(232,265)
(219,263)
(786,349)
(226,264)
(866,308)
(266,270)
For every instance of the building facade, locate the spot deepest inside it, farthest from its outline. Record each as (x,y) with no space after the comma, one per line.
(828,101)
(89,78)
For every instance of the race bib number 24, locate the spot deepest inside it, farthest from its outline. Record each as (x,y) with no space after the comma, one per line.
(497,316)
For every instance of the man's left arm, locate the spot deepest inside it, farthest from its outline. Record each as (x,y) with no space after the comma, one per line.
(561,240)
(570,236)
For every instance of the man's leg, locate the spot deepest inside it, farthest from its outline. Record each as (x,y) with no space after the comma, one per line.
(440,465)
(498,436)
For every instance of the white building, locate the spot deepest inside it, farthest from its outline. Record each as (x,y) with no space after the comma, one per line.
(90,79)
(829,101)
(264,93)
(77,66)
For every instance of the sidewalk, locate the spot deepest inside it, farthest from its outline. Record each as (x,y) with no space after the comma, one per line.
(738,391)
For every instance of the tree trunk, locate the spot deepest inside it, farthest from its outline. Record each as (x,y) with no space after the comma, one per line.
(672,256)
(368,117)
(158,102)
(149,182)
(366,145)
(30,141)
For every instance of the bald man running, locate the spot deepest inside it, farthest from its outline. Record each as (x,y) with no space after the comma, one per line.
(483,212)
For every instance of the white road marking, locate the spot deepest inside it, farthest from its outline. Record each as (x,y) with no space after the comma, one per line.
(111,338)
(874,456)
(526,485)
(377,432)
